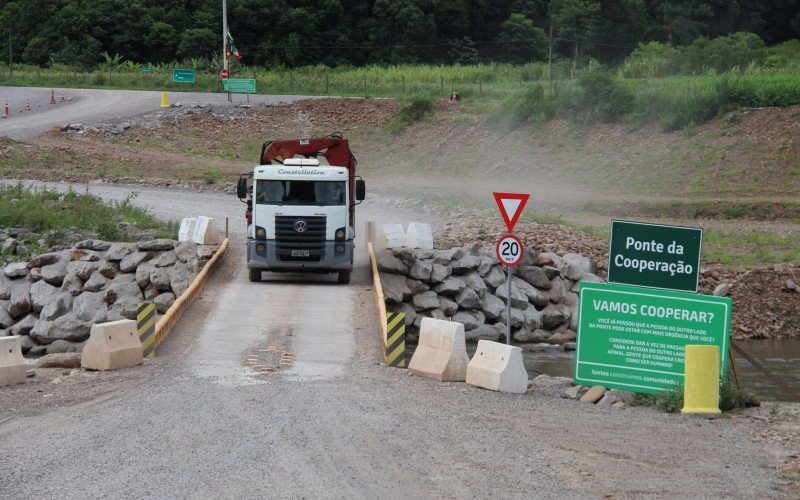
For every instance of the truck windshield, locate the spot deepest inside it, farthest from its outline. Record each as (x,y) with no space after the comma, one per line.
(321,193)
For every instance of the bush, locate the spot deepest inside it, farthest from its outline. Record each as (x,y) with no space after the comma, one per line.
(671,400)
(652,60)
(412,110)
(529,106)
(602,97)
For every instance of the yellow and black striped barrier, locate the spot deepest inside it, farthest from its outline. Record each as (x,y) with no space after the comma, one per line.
(146,326)
(396,340)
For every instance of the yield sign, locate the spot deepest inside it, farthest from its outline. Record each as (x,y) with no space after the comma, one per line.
(511,206)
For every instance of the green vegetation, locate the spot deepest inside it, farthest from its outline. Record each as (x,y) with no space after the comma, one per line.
(750,248)
(46,210)
(411,110)
(671,400)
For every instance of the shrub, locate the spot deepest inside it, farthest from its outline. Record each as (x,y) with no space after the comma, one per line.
(602,97)
(671,400)
(412,110)
(651,60)
(531,105)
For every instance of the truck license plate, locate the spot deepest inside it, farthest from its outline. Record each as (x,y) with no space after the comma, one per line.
(300,253)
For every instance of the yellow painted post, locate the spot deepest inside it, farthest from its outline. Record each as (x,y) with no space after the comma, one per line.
(701,382)
(164,100)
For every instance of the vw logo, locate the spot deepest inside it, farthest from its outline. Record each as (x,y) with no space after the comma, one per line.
(300,226)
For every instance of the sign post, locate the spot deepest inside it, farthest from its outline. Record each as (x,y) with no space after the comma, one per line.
(183,75)
(634,338)
(654,255)
(510,248)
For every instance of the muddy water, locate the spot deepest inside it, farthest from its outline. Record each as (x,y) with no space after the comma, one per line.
(781,357)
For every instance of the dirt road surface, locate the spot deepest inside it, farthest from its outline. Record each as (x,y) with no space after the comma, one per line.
(276,389)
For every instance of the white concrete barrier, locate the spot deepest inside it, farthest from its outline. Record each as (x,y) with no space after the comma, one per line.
(498,367)
(419,235)
(12,364)
(205,231)
(113,345)
(391,236)
(186,232)
(442,351)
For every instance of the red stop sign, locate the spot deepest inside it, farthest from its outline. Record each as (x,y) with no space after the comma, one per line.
(223,74)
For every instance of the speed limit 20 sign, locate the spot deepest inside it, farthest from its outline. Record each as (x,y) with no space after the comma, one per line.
(510,250)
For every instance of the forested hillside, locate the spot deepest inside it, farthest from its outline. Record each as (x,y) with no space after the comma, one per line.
(355,32)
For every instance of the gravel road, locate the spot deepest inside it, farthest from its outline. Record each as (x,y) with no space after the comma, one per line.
(200,421)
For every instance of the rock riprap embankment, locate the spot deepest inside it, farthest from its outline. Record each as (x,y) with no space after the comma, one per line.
(53,300)
(468,285)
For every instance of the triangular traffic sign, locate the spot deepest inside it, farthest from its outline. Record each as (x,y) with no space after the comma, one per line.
(511,206)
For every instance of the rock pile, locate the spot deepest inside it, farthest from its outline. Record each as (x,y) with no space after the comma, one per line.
(53,300)
(468,285)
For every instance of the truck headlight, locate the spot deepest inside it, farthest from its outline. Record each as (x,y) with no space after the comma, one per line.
(340,233)
(339,248)
(261,233)
(261,248)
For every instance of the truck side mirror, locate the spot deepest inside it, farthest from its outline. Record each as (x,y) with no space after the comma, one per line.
(361,190)
(241,188)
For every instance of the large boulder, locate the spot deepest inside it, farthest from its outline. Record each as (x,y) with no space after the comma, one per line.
(492,306)
(159,278)
(439,273)
(465,264)
(23,326)
(485,265)
(159,244)
(555,315)
(64,346)
(67,327)
(20,301)
(97,245)
(5,319)
(517,318)
(96,282)
(518,299)
(58,306)
(494,278)
(421,270)
(72,285)
(532,318)
(450,287)
(484,332)
(16,270)
(447,306)
(82,269)
(143,274)
(535,276)
(119,251)
(470,319)
(468,299)
(475,282)
(84,255)
(41,294)
(89,306)
(527,336)
(54,274)
(59,360)
(5,287)
(557,292)
(108,269)
(130,262)
(166,259)
(445,257)
(118,291)
(388,263)
(186,251)
(43,260)
(164,301)
(576,265)
(395,288)
(417,286)
(425,301)
(180,278)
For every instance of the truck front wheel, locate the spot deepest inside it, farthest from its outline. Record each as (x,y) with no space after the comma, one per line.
(344,277)
(255,275)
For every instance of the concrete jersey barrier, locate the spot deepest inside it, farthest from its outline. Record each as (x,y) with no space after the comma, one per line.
(113,345)
(419,235)
(442,351)
(498,367)
(12,364)
(391,235)
(205,231)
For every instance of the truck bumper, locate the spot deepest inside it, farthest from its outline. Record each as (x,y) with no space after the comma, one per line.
(262,254)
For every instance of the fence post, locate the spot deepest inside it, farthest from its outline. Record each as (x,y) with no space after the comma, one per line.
(404,85)
(291,80)
(327,83)
(441,91)
(365,87)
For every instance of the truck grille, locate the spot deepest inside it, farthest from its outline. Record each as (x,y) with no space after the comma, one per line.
(288,238)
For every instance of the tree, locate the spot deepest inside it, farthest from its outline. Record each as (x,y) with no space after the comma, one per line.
(161,42)
(521,42)
(574,20)
(198,43)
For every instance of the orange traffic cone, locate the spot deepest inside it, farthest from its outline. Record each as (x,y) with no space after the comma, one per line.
(62,96)
(5,110)
(52,96)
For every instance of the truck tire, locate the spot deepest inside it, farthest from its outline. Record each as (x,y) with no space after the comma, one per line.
(255,275)
(344,277)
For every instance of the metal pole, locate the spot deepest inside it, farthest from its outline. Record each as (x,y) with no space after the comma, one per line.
(508,307)
(224,34)
(10,50)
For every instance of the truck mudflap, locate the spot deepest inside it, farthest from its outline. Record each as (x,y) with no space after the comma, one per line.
(262,254)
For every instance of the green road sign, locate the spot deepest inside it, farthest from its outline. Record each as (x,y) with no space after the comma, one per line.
(634,339)
(240,85)
(654,255)
(183,75)
(144,70)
